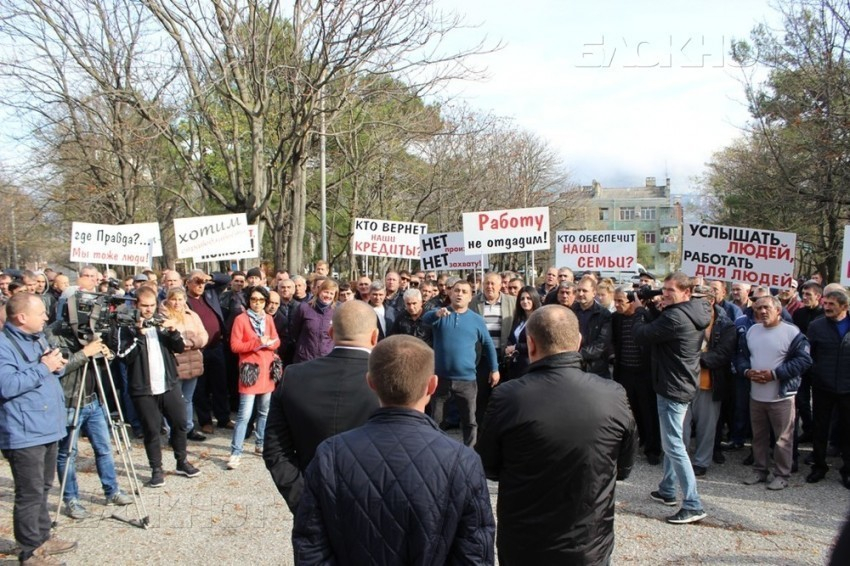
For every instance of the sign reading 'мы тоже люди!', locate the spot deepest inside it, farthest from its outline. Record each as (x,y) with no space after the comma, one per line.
(124,244)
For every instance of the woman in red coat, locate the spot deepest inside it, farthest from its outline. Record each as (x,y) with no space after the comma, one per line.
(254,339)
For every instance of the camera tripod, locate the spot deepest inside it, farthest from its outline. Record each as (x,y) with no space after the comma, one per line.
(119,436)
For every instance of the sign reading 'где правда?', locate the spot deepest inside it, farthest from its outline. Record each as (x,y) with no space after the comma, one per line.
(387,238)
(124,244)
(739,255)
(500,231)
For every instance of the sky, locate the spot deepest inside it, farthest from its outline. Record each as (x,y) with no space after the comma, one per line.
(622,90)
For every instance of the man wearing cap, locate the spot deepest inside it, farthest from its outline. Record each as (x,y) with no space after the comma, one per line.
(211,395)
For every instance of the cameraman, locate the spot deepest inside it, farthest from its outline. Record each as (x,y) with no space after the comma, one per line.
(149,353)
(92,419)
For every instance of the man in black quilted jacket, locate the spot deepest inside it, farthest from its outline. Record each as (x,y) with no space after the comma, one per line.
(396,490)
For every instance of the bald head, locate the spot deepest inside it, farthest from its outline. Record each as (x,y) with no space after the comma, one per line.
(355,324)
(553,329)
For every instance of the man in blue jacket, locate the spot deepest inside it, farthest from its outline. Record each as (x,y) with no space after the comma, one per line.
(32,421)
(396,490)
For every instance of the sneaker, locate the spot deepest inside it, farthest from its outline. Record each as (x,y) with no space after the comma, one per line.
(685,516)
(157,478)
(121,499)
(233,462)
(184,468)
(699,471)
(777,484)
(754,479)
(76,510)
(258,450)
(656,496)
(55,545)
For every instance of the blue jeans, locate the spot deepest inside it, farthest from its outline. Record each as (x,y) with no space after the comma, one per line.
(677,465)
(93,423)
(188,388)
(246,406)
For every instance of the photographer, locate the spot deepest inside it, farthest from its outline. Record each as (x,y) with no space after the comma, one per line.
(92,419)
(149,353)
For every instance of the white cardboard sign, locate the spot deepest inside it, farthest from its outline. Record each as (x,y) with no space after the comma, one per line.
(387,238)
(501,231)
(124,244)
(445,252)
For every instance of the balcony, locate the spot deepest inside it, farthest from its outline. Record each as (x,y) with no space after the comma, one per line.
(668,247)
(668,221)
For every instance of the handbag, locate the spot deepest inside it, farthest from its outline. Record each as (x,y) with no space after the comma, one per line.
(248,373)
(276,369)
(189,364)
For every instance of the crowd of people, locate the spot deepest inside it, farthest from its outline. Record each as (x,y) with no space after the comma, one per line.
(554,388)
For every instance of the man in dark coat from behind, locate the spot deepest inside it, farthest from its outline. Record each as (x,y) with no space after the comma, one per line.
(320,398)
(396,490)
(556,439)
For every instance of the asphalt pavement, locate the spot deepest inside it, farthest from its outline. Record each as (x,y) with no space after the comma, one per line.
(237,516)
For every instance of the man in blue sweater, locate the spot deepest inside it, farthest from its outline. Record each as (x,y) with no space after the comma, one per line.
(459,334)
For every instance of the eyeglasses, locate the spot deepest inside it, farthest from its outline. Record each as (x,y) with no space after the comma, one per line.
(258,300)
(414,283)
(405,278)
(197,281)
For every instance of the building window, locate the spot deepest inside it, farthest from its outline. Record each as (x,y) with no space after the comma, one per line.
(603,214)
(627,213)
(649,237)
(647,213)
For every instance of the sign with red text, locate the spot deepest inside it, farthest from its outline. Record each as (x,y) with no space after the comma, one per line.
(600,250)
(205,235)
(845,258)
(445,252)
(124,244)
(387,238)
(251,252)
(501,231)
(739,255)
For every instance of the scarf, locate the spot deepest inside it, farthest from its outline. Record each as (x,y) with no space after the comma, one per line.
(258,321)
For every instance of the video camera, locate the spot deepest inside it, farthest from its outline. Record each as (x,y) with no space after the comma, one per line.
(646,292)
(95,314)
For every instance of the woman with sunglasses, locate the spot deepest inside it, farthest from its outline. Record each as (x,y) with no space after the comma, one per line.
(254,339)
(516,352)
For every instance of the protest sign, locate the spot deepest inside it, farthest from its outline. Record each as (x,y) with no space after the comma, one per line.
(739,255)
(599,250)
(387,238)
(124,244)
(208,235)
(444,252)
(251,252)
(500,231)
